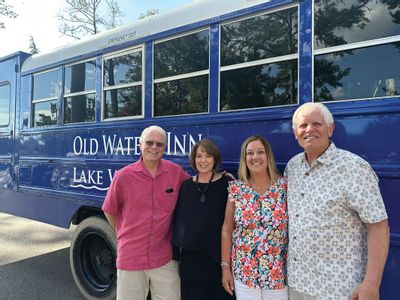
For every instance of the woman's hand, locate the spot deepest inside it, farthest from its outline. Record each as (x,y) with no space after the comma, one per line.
(227,280)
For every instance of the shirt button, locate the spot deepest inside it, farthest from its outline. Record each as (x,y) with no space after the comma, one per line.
(307,173)
(294,237)
(297,215)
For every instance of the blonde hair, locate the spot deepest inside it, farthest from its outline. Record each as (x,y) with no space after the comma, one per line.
(244,173)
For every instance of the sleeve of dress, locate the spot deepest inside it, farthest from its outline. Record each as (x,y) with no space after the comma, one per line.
(233,191)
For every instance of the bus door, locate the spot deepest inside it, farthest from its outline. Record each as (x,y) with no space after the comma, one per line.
(7,123)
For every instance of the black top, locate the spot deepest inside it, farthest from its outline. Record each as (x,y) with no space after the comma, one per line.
(198,224)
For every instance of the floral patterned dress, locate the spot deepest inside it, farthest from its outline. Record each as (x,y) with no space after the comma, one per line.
(259,241)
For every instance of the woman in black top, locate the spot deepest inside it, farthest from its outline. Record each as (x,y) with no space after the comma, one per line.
(199,216)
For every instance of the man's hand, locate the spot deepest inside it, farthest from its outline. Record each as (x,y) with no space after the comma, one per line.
(366,291)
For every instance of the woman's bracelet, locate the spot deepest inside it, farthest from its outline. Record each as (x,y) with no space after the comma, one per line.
(224,264)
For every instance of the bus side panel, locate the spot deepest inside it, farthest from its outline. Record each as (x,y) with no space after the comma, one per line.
(8,84)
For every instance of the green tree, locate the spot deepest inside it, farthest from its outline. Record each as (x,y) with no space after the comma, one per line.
(6,11)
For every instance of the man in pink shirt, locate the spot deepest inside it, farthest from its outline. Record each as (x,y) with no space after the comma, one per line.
(139,205)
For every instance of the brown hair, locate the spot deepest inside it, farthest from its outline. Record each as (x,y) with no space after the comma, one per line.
(244,173)
(209,147)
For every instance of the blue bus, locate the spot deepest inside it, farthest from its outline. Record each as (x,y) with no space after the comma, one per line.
(222,69)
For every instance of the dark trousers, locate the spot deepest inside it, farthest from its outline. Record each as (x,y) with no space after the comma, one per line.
(201,289)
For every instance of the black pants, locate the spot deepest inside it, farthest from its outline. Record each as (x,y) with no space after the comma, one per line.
(201,289)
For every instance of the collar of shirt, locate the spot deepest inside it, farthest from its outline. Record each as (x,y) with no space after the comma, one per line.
(140,168)
(326,157)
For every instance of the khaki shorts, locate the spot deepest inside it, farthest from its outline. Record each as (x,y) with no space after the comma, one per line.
(163,283)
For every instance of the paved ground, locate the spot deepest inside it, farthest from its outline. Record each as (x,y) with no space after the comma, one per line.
(34,261)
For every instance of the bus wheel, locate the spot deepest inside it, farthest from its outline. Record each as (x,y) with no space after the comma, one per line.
(92,259)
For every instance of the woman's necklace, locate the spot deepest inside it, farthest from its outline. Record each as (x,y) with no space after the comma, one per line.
(203,192)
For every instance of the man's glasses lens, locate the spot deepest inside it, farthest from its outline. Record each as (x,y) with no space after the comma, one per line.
(151,143)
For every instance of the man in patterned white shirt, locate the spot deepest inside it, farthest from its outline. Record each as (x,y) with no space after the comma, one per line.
(338,229)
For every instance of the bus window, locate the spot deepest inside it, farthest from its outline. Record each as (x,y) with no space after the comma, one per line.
(4,105)
(123,85)
(181,68)
(344,22)
(346,75)
(44,102)
(259,61)
(349,34)
(80,92)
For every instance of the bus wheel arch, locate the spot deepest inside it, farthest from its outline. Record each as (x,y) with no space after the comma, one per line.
(92,258)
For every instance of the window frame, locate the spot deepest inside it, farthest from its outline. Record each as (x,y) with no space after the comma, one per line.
(46,99)
(264,61)
(88,92)
(7,84)
(104,89)
(181,76)
(346,47)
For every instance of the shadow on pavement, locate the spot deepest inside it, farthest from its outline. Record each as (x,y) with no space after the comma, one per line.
(44,277)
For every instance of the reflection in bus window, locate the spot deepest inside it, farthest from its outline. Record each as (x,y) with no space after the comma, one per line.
(181,67)
(45,113)
(259,86)
(350,21)
(259,61)
(260,37)
(44,102)
(192,92)
(122,81)
(80,92)
(79,108)
(4,105)
(80,77)
(345,75)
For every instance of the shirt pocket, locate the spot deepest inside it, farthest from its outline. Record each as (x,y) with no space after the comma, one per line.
(166,198)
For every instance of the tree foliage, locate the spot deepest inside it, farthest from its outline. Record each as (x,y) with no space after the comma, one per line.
(6,11)
(80,18)
(114,14)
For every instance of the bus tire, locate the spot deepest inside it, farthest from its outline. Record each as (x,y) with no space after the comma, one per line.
(92,259)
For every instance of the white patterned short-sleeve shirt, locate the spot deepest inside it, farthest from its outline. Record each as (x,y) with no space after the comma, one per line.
(328,204)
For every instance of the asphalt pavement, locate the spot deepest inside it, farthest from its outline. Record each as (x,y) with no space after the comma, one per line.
(34,261)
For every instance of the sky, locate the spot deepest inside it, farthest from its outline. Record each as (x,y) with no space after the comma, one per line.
(37,18)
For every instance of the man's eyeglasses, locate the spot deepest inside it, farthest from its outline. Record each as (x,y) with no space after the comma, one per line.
(151,143)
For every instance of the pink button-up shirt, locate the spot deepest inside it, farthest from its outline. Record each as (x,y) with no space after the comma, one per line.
(144,208)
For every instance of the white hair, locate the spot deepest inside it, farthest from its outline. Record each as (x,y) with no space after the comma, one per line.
(313,106)
(147,130)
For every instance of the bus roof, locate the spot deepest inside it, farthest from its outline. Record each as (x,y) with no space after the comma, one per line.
(193,12)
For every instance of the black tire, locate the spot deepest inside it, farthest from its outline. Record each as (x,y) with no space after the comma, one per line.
(92,259)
